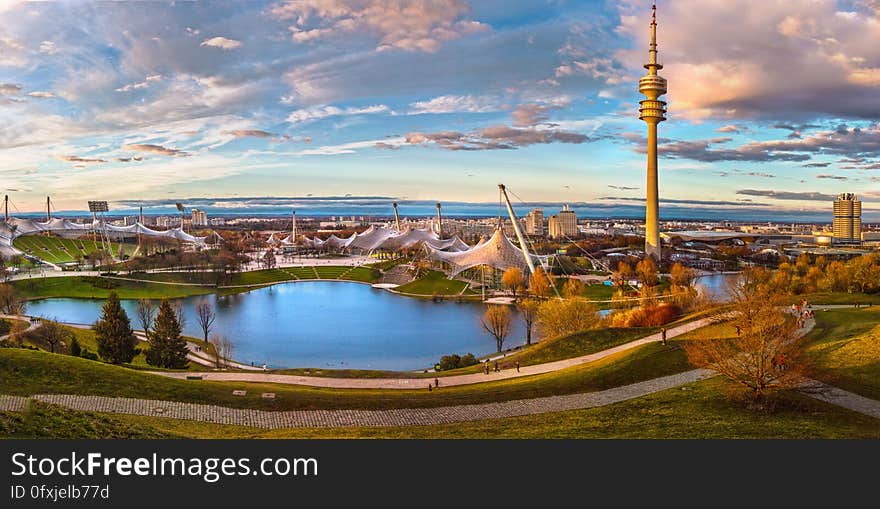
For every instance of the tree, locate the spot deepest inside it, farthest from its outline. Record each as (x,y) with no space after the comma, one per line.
(269,259)
(681,276)
(206,316)
(573,288)
(75,348)
(116,341)
(17,332)
(167,346)
(497,320)
(646,270)
(623,274)
(765,355)
(539,284)
(223,350)
(52,333)
(561,317)
(146,313)
(528,312)
(10,303)
(513,280)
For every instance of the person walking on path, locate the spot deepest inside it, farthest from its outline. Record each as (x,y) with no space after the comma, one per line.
(487,366)
(663,336)
(497,368)
(517,366)
(436,382)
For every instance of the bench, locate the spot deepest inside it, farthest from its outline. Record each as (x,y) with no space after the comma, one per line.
(193,377)
(268,395)
(239,393)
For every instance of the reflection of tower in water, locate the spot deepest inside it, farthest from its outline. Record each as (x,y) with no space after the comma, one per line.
(653,111)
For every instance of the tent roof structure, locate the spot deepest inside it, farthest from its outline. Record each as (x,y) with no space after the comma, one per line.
(497,252)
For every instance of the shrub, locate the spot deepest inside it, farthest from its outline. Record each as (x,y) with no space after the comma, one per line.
(75,348)
(648,316)
(454,361)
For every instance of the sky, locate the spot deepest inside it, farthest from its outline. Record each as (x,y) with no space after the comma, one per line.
(773,104)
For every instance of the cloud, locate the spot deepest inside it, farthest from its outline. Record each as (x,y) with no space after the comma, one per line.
(832,177)
(321,112)
(494,138)
(40,94)
(85,160)
(456,104)
(245,133)
(386,146)
(686,201)
(415,26)
(48,48)
(623,188)
(526,115)
(222,43)
(760,174)
(729,128)
(153,78)
(10,89)
(787,195)
(155,149)
(816,165)
(720,69)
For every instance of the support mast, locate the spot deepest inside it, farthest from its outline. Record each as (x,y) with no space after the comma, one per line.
(396,217)
(519,235)
(439,222)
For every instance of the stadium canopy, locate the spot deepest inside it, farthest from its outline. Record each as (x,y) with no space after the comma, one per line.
(383,238)
(497,252)
(15,227)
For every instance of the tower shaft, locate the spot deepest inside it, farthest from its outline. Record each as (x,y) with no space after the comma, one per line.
(652,203)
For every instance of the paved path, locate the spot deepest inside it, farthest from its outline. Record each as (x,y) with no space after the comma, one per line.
(445,381)
(348,418)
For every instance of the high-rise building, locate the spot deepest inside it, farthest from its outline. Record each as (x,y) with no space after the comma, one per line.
(847,226)
(535,223)
(199,218)
(563,224)
(653,111)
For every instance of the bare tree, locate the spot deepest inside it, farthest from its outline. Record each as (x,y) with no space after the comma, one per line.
(765,355)
(223,350)
(146,314)
(52,334)
(10,303)
(206,316)
(178,313)
(528,312)
(497,320)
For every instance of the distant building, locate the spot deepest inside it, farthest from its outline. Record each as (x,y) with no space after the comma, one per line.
(535,223)
(847,226)
(563,224)
(199,218)
(217,221)
(166,222)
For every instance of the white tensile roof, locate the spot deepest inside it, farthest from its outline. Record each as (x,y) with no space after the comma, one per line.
(497,252)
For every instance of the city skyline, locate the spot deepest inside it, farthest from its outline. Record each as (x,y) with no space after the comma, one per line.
(281,98)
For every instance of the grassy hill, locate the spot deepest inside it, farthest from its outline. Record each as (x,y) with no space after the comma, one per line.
(59,250)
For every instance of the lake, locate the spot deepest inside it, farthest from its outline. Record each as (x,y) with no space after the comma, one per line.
(324,325)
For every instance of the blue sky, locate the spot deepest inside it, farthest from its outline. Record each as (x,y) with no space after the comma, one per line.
(773,104)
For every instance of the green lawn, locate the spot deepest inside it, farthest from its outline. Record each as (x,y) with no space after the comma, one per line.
(694,411)
(837,298)
(58,250)
(99,288)
(433,283)
(25,372)
(846,347)
(266,276)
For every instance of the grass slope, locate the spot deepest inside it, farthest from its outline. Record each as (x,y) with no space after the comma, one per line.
(846,347)
(433,283)
(89,287)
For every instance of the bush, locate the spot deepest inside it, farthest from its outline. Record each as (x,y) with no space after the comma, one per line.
(454,361)
(648,316)
(5,327)
(86,354)
(75,348)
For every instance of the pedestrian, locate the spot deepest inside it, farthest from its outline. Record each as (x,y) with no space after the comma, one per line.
(663,336)
(487,366)
(430,387)
(517,366)
(436,382)
(497,368)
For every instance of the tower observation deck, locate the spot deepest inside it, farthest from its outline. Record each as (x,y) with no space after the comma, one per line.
(652,110)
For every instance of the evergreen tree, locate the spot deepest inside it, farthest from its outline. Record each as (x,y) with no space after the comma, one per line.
(116,341)
(75,348)
(167,346)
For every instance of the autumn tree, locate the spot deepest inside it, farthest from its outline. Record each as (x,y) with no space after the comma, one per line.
(765,356)
(573,288)
(561,317)
(167,346)
(10,302)
(116,341)
(52,333)
(539,284)
(497,321)
(206,316)
(513,280)
(528,313)
(646,271)
(681,276)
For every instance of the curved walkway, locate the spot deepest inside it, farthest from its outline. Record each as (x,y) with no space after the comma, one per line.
(348,418)
(445,381)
